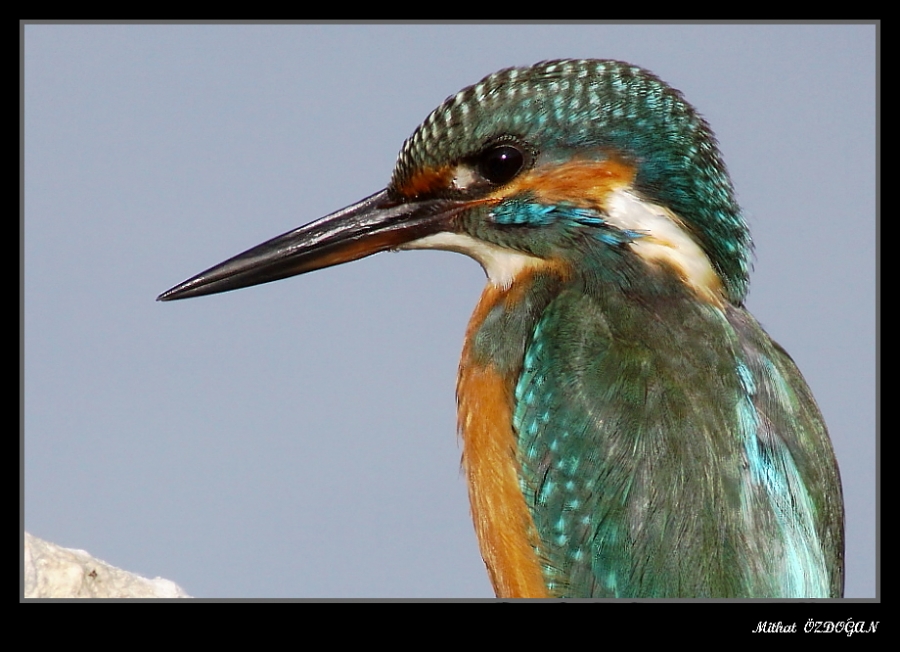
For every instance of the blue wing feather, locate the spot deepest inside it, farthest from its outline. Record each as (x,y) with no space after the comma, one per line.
(673,461)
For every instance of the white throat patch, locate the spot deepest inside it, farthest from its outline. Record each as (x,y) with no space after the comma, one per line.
(501,265)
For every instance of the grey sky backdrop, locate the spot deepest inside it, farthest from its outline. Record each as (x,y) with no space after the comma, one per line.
(299,439)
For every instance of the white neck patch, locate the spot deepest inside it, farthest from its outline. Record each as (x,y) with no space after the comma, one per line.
(665,240)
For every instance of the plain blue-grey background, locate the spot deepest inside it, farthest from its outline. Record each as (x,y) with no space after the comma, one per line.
(298,439)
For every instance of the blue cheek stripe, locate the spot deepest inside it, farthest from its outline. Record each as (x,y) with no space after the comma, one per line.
(528,213)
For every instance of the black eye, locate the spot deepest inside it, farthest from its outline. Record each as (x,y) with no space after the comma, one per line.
(501,163)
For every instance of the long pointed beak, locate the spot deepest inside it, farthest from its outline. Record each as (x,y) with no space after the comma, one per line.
(376,223)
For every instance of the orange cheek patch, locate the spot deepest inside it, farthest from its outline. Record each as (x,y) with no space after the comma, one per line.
(581,182)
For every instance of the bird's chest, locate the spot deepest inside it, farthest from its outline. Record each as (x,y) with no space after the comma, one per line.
(567,406)
(491,359)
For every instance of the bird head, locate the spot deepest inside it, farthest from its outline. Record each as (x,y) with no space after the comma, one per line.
(561,162)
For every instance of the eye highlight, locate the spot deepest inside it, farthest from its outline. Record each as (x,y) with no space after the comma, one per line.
(501,163)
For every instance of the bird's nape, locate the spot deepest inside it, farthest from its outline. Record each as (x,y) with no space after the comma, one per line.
(629,430)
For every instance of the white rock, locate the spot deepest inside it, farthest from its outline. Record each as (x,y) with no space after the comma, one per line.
(55,572)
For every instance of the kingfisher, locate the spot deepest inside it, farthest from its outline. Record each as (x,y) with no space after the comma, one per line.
(628,428)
